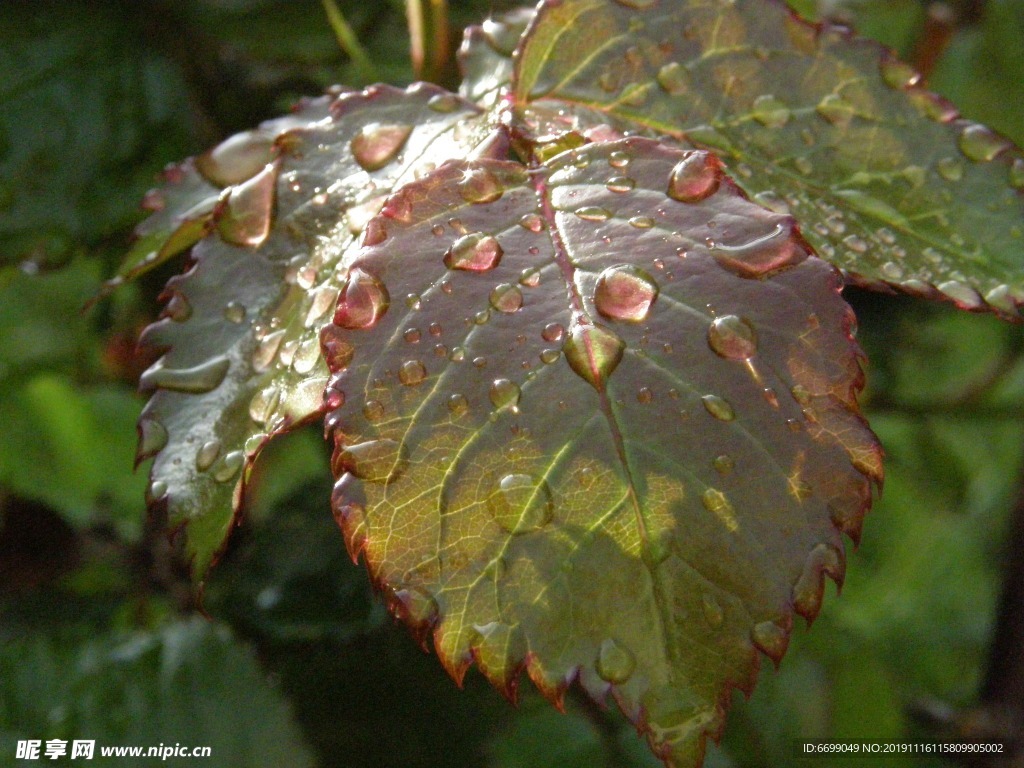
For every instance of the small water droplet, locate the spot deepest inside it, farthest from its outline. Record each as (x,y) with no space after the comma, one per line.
(264,404)
(152,438)
(362,302)
(228,467)
(178,308)
(981,144)
(529,277)
(521,503)
(732,337)
(695,177)
(481,317)
(553,332)
(836,110)
(712,611)
(156,491)
(593,213)
(724,464)
(458,404)
(504,393)
(412,335)
(641,222)
(307,354)
(625,292)
(532,222)
(715,502)
(373,410)
(196,380)
(437,229)
(950,169)
(892,271)
(673,78)
(234,312)
(898,75)
(620,184)
(475,252)
(375,232)
(506,298)
(208,453)
(855,243)
(333,400)
(644,395)
(479,186)
(618,159)
(770,111)
(376,145)
(413,301)
(593,352)
(457,355)
(962,294)
(718,407)
(336,350)
(771,639)
(412,373)
(615,662)
(548,356)
(376,461)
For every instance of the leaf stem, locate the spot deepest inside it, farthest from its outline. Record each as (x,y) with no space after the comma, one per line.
(348,41)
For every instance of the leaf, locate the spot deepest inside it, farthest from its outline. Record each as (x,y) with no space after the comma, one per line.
(888,182)
(485,55)
(242,325)
(612,437)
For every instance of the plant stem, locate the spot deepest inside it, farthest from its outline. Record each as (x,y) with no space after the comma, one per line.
(347,39)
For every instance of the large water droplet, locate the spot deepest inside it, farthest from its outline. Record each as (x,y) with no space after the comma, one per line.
(152,438)
(336,349)
(237,158)
(615,662)
(593,213)
(553,332)
(593,352)
(962,294)
(695,177)
(769,111)
(715,502)
(479,185)
(228,467)
(521,503)
(761,256)
(201,378)
(208,453)
(412,373)
(307,354)
(982,144)
(718,407)
(732,337)
(249,210)
(620,184)
(475,252)
(504,393)
(771,639)
(362,302)
(376,145)
(264,404)
(376,461)
(506,298)
(625,292)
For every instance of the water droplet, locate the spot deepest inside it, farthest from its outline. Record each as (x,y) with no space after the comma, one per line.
(615,662)
(769,111)
(336,350)
(715,502)
(962,294)
(625,292)
(504,393)
(801,394)
(762,255)
(674,78)
(376,461)
(641,222)
(548,356)
(152,438)
(264,404)
(414,606)
(718,407)
(1017,173)
(836,110)
(593,213)
(376,232)
(771,639)
(620,184)
(982,144)
(376,145)
(373,410)
(950,169)
(892,271)
(618,159)
(712,611)
(803,165)
(593,352)
(532,222)
(413,301)
(362,302)
(443,102)
(435,329)
(481,317)
(457,355)
(324,300)
(855,243)
(530,277)
(178,308)
(695,177)
(475,252)
(207,454)
(458,405)
(412,373)
(412,335)
(506,298)
(724,464)
(249,210)
(237,158)
(479,186)
(234,312)
(898,75)
(553,332)
(333,399)
(307,354)
(521,503)
(732,337)
(228,467)
(201,378)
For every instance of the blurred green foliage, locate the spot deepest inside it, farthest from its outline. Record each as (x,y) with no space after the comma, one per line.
(300,665)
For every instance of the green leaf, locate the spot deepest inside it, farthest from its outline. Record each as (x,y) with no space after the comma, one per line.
(485,56)
(242,325)
(141,691)
(612,436)
(888,183)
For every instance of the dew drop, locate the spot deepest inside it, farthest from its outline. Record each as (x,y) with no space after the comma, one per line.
(208,453)
(479,186)
(336,350)
(375,232)
(237,158)
(475,252)
(641,222)
(443,102)
(801,394)
(836,110)
(715,502)
(673,78)
(521,503)
(855,243)
(362,302)
(891,270)
(178,308)
(962,294)
(414,606)
(437,229)
(695,177)
(196,380)
(435,329)
(156,491)
(506,298)
(724,464)
(593,213)
(152,438)
(620,184)
(457,355)
(898,75)
(376,461)
(412,373)
(618,159)
(333,399)
(532,222)
(769,111)
(458,405)
(228,467)
(264,404)
(412,335)
(373,410)
(481,317)
(529,277)
(981,144)
(718,407)
(625,292)
(615,662)
(804,165)
(548,356)
(1017,173)
(413,301)
(504,393)
(553,332)
(593,352)
(306,355)
(376,145)
(250,210)
(732,337)
(771,639)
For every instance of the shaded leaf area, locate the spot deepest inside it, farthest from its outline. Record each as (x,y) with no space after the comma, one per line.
(126,690)
(242,325)
(887,181)
(485,56)
(87,112)
(588,445)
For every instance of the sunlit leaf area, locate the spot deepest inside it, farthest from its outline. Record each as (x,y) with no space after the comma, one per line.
(596,417)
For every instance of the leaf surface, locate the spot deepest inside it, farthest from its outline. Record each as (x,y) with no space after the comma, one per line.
(887,181)
(610,435)
(485,56)
(242,325)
